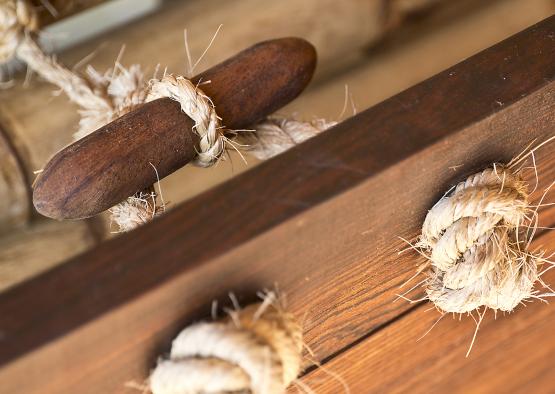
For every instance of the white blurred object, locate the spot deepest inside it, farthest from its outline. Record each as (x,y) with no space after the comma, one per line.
(92,22)
(85,25)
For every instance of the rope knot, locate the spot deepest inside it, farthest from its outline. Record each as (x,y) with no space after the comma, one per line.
(256,350)
(17,18)
(476,244)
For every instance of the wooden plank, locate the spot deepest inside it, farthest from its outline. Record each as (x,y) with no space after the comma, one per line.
(512,353)
(321,220)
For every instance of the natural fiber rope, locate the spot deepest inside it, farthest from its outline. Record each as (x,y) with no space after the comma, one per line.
(104,97)
(199,108)
(276,135)
(17,19)
(475,241)
(256,350)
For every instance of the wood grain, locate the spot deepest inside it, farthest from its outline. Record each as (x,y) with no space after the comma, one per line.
(513,353)
(322,221)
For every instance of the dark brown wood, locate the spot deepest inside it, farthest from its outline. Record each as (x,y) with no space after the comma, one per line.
(322,221)
(116,161)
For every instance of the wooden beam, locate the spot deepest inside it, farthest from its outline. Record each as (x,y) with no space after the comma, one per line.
(322,221)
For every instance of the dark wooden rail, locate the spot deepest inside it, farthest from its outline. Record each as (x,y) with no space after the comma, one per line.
(322,221)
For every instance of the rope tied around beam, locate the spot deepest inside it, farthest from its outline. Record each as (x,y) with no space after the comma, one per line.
(476,238)
(256,349)
(103,98)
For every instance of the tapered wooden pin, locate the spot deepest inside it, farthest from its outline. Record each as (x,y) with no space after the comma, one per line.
(116,161)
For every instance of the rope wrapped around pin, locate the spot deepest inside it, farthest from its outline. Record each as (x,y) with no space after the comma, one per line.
(256,350)
(127,90)
(103,98)
(476,238)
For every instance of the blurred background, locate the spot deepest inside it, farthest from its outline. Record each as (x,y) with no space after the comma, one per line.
(368,51)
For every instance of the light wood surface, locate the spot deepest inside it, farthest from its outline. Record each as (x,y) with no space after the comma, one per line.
(29,252)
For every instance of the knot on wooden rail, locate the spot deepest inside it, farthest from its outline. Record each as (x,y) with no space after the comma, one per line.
(17,18)
(256,349)
(477,238)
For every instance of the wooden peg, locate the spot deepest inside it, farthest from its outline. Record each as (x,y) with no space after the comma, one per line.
(117,160)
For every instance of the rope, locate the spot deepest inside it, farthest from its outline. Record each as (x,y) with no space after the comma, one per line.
(257,349)
(199,108)
(476,240)
(276,135)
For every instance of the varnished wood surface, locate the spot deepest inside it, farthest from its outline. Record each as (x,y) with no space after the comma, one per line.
(513,353)
(322,221)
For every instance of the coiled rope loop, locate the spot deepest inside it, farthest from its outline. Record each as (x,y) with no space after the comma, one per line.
(476,245)
(199,108)
(257,349)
